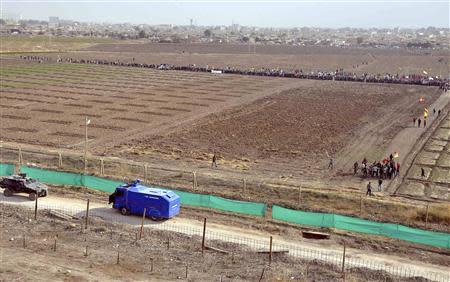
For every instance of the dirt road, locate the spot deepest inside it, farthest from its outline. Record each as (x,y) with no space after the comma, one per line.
(402,143)
(326,251)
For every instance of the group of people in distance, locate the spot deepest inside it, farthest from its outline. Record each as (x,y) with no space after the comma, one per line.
(381,170)
(338,74)
(39,59)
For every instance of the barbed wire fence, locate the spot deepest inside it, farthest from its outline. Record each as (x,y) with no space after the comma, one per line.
(235,187)
(257,243)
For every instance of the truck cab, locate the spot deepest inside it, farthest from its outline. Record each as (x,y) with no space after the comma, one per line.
(133,198)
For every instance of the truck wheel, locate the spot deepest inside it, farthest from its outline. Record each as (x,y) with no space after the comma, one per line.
(7,192)
(32,196)
(124,211)
(154,218)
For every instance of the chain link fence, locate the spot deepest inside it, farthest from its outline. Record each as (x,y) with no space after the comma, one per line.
(257,243)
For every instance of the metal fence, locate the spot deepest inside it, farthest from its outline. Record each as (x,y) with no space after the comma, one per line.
(257,242)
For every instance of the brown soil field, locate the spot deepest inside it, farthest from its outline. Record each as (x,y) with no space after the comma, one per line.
(47,103)
(293,131)
(51,248)
(374,61)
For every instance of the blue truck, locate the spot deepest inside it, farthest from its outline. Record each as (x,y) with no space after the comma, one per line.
(133,198)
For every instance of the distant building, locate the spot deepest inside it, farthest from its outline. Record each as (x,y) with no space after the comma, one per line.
(53,22)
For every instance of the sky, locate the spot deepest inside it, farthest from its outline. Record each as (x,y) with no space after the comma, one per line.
(325,13)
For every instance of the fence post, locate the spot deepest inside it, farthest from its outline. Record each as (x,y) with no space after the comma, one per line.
(20,157)
(36,207)
(59,160)
(86,219)
(262,274)
(270,251)
(186,271)
(194,180)
(299,196)
(426,216)
(343,263)
(142,223)
(145,172)
(360,204)
(244,186)
(102,167)
(204,233)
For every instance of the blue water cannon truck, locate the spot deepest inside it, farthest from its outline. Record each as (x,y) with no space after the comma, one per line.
(133,198)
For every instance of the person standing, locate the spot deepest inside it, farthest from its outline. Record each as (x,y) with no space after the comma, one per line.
(331,164)
(355,168)
(414,121)
(369,189)
(419,121)
(422,174)
(380,183)
(214,161)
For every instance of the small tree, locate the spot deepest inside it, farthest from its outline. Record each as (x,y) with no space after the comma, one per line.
(359,40)
(207,33)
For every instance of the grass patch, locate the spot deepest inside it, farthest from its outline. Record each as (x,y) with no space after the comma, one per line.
(20,44)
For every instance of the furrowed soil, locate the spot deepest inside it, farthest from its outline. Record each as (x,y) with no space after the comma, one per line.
(293,133)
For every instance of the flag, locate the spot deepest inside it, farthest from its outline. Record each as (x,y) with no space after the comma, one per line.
(88,121)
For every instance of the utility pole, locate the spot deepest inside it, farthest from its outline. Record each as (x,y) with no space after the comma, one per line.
(86,144)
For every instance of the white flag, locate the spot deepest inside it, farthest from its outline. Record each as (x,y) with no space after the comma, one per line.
(88,121)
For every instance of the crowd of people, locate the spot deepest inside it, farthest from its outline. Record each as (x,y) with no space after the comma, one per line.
(39,59)
(385,169)
(338,74)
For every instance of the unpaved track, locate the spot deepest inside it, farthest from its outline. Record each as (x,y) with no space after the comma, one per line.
(402,143)
(390,263)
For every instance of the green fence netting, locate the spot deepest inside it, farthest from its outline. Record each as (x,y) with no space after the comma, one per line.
(106,185)
(6,169)
(214,202)
(437,239)
(73,179)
